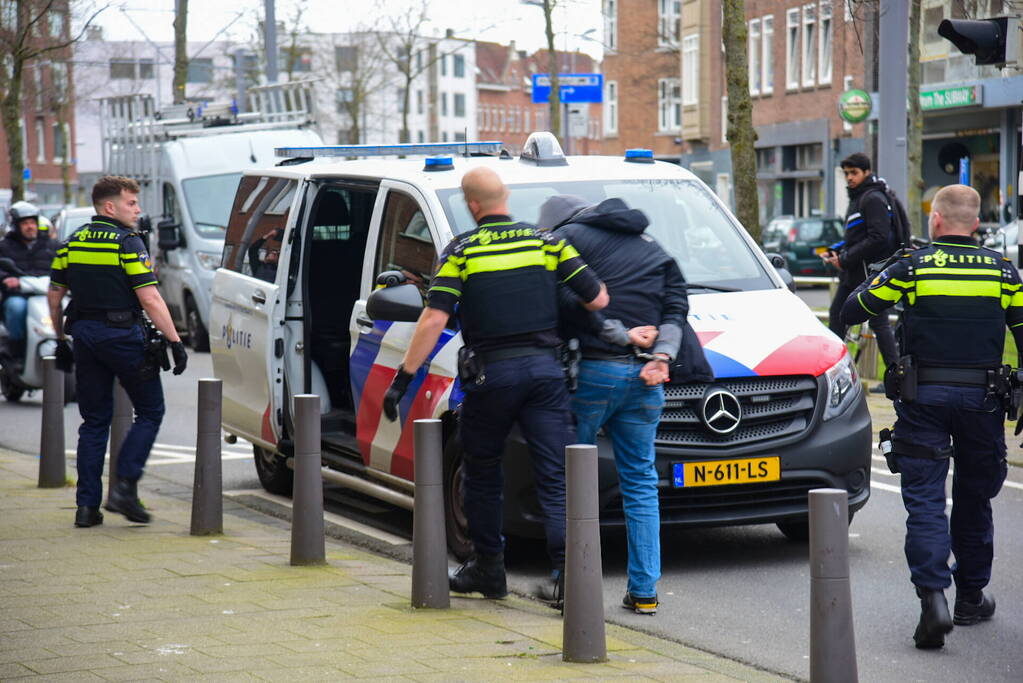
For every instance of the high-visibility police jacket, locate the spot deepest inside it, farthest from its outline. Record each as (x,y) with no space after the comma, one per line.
(503,278)
(102,263)
(959,298)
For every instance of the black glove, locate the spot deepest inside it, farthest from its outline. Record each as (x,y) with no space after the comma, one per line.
(180,357)
(65,356)
(399,385)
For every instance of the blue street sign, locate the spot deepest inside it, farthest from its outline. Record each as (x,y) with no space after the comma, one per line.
(964,171)
(26,174)
(572,87)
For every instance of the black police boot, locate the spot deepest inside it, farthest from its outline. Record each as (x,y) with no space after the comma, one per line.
(973,607)
(124,498)
(481,574)
(935,621)
(88,516)
(552,590)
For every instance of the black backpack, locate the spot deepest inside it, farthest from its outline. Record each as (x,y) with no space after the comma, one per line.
(901,234)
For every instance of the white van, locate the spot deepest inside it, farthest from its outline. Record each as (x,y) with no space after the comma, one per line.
(347,226)
(188,162)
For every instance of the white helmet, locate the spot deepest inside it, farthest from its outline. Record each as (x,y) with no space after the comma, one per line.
(19,211)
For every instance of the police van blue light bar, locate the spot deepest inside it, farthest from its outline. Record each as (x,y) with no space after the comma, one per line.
(640,156)
(438,164)
(406,149)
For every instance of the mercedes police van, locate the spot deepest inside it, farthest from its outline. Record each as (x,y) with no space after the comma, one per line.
(329,308)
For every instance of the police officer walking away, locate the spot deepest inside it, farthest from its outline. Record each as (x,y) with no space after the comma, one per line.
(960,297)
(105,266)
(618,390)
(503,276)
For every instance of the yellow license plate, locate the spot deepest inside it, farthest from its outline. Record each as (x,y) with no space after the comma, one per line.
(819,250)
(723,472)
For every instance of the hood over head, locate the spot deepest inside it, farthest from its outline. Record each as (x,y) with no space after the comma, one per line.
(613,215)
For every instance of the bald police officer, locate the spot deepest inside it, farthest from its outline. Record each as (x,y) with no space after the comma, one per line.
(959,298)
(105,266)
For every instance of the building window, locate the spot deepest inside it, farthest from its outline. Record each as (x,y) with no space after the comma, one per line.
(122,69)
(200,71)
(691,69)
(400,94)
(346,57)
(40,88)
(824,54)
(610,108)
(458,66)
(443,104)
(809,45)
(419,136)
(459,103)
(724,120)
(443,65)
(611,25)
(419,101)
(296,60)
(444,137)
(669,107)
(59,142)
(58,77)
(792,48)
(525,119)
(669,14)
(460,136)
(56,21)
(767,42)
(146,72)
(40,142)
(754,57)
(345,96)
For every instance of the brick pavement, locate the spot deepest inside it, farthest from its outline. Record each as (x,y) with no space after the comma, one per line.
(127,602)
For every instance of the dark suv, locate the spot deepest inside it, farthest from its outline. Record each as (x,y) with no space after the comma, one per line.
(801,241)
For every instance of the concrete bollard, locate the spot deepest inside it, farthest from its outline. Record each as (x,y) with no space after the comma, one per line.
(583,637)
(832,640)
(429,536)
(207,489)
(52,472)
(307,540)
(120,424)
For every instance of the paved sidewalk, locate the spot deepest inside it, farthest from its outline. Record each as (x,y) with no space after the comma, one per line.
(127,602)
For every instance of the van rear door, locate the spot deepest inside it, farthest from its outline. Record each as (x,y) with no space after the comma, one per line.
(246,334)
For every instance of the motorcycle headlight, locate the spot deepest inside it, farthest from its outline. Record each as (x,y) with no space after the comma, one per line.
(210,260)
(843,387)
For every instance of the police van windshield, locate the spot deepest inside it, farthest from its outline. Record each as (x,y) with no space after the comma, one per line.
(209,200)
(684,219)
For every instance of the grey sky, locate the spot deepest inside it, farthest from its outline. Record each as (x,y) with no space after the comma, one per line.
(495,20)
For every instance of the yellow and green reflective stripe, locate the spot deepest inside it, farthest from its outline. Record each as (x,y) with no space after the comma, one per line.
(987,272)
(574,272)
(1016,324)
(504,246)
(859,297)
(449,269)
(494,225)
(135,268)
(113,246)
(93,258)
(569,252)
(958,288)
(449,290)
(887,293)
(1017,299)
(145,284)
(956,244)
(900,283)
(499,262)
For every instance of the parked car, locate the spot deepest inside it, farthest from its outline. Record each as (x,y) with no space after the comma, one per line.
(801,241)
(70,219)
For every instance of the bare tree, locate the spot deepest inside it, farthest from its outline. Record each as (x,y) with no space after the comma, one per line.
(554,103)
(741,135)
(915,124)
(21,42)
(361,71)
(294,49)
(180,50)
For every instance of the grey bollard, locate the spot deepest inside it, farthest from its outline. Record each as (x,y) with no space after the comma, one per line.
(832,641)
(51,436)
(583,637)
(307,540)
(207,489)
(429,536)
(120,424)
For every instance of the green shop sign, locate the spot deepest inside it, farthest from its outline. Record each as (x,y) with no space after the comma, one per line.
(854,106)
(947,98)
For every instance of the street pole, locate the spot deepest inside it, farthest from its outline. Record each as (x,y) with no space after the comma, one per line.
(891,163)
(270,41)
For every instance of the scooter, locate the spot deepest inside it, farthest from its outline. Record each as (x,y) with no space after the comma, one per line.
(40,340)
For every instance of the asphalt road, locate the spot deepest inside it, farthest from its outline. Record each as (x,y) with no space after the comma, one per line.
(742,592)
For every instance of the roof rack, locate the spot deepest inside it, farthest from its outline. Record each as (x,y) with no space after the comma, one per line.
(406,149)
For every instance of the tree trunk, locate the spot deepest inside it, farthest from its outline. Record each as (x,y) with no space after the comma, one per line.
(741,136)
(914,134)
(404,102)
(65,158)
(555,99)
(10,112)
(180,51)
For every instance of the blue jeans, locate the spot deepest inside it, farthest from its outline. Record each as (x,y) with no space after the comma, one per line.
(15,315)
(612,395)
(975,423)
(102,354)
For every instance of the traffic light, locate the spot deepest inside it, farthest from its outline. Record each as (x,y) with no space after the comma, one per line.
(990,41)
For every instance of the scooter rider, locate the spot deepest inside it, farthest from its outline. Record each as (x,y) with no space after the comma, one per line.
(32,252)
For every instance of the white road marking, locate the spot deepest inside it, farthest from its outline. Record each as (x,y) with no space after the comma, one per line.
(174,454)
(880,458)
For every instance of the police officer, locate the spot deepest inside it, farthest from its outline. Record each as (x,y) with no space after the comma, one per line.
(959,299)
(105,266)
(503,276)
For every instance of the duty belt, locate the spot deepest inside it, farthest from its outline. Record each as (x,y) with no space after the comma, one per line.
(104,316)
(494,355)
(973,377)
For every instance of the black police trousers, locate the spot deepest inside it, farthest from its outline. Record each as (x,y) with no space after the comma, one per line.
(529,391)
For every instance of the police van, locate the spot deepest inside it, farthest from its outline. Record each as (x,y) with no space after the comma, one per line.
(291,314)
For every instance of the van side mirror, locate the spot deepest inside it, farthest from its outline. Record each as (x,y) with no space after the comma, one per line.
(400,303)
(778,261)
(167,235)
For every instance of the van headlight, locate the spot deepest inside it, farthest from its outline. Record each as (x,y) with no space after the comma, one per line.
(843,387)
(210,260)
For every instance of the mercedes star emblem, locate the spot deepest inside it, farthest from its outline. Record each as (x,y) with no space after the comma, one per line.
(721,411)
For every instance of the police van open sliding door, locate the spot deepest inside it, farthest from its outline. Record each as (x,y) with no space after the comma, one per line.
(404,239)
(246,338)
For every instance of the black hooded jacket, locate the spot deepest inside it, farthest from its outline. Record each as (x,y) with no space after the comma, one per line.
(645,284)
(868,231)
(31,258)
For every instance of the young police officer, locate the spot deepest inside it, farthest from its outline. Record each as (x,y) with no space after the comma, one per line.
(503,276)
(959,297)
(107,269)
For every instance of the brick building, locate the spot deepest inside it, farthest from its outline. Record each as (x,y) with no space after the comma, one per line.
(506,110)
(47,114)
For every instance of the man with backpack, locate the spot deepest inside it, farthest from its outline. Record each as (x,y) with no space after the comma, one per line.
(874,229)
